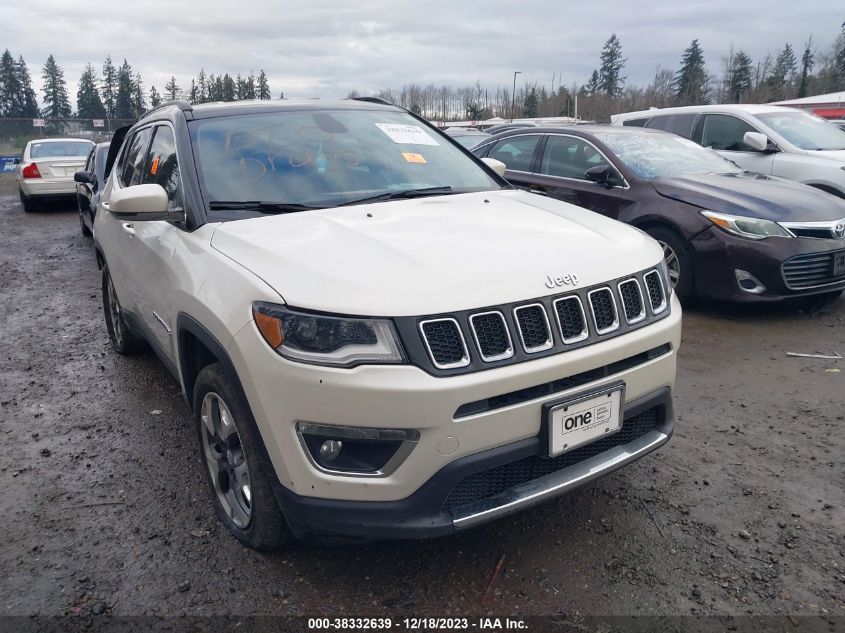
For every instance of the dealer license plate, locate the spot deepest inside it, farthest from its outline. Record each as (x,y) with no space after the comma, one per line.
(584,419)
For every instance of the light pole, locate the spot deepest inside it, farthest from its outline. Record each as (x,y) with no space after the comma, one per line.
(513,93)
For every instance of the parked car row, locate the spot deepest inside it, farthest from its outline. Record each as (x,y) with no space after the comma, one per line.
(317,276)
(727,233)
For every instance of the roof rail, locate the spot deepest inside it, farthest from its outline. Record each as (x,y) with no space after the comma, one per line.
(183,105)
(373,100)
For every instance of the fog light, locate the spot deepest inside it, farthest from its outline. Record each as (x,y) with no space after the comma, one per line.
(748,282)
(330,450)
(356,451)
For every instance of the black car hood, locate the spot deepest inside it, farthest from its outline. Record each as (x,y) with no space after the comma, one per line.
(753,195)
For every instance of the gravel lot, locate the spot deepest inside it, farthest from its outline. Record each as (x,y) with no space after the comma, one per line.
(105,508)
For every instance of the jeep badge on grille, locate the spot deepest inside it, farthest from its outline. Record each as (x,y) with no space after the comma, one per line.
(561,280)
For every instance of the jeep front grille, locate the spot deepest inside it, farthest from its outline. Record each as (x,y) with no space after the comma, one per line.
(445,343)
(632,300)
(656,296)
(491,335)
(473,340)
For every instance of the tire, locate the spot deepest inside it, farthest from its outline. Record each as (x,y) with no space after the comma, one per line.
(123,340)
(229,450)
(82,227)
(677,259)
(26,201)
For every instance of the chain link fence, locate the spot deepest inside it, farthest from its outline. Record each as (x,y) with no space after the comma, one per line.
(14,133)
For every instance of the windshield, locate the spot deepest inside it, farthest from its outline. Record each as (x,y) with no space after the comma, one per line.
(652,155)
(322,158)
(470,140)
(805,130)
(58,149)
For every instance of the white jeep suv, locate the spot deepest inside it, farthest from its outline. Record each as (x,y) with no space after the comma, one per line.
(376,335)
(768,139)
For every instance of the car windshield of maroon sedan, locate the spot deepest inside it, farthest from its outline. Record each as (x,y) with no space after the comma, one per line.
(650,155)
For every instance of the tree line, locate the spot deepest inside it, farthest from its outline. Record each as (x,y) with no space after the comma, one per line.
(785,74)
(116,94)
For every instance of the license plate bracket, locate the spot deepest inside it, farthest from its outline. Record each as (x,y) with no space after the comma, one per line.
(578,420)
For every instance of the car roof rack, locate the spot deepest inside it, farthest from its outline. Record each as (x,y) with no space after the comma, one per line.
(184,106)
(373,100)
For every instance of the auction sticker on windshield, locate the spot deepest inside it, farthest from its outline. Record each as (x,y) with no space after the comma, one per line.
(578,421)
(406,134)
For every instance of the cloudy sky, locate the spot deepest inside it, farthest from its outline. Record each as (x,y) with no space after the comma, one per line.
(324,48)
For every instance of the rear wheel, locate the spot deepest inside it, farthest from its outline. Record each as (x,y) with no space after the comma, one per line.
(229,449)
(122,338)
(26,201)
(677,260)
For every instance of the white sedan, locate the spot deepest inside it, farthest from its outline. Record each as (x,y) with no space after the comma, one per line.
(47,166)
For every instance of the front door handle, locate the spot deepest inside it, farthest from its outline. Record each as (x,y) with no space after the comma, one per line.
(128,228)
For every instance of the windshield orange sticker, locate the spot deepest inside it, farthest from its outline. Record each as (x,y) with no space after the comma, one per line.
(414,158)
(154,166)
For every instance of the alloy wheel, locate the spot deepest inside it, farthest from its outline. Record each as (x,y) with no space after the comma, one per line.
(672,262)
(226,460)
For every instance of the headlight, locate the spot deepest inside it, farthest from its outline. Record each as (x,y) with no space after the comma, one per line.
(327,340)
(752,228)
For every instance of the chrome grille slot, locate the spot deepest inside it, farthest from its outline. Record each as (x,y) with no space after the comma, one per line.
(603,308)
(570,319)
(632,301)
(445,343)
(533,327)
(491,335)
(656,295)
(809,271)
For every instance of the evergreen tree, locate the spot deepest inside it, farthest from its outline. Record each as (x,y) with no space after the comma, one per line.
(611,79)
(109,88)
(11,91)
(263,85)
(228,88)
(56,102)
(171,90)
(211,89)
(194,93)
(739,81)
(30,103)
(240,88)
(250,86)
(123,99)
(807,63)
(782,74)
(202,87)
(591,89)
(691,84)
(218,88)
(529,103)
(88,102)
(139,102)
(839,60)
(155,98)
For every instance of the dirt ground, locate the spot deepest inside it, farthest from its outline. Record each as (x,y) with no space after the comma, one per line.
(105,510)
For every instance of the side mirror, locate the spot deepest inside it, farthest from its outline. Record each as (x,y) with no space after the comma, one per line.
(84,176)
(756,141)
(496,165)
(147,202)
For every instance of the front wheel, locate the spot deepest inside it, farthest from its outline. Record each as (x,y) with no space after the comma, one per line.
(677,261)
(236,475)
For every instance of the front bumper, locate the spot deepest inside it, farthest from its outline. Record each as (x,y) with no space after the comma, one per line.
(429,513)
(717,254)
(282,394)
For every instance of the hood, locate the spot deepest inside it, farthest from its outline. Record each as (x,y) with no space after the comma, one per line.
(433,255)
(753,195)
(833,154)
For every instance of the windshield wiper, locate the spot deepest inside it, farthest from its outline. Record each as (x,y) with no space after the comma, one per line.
(403,194)
(260,206)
